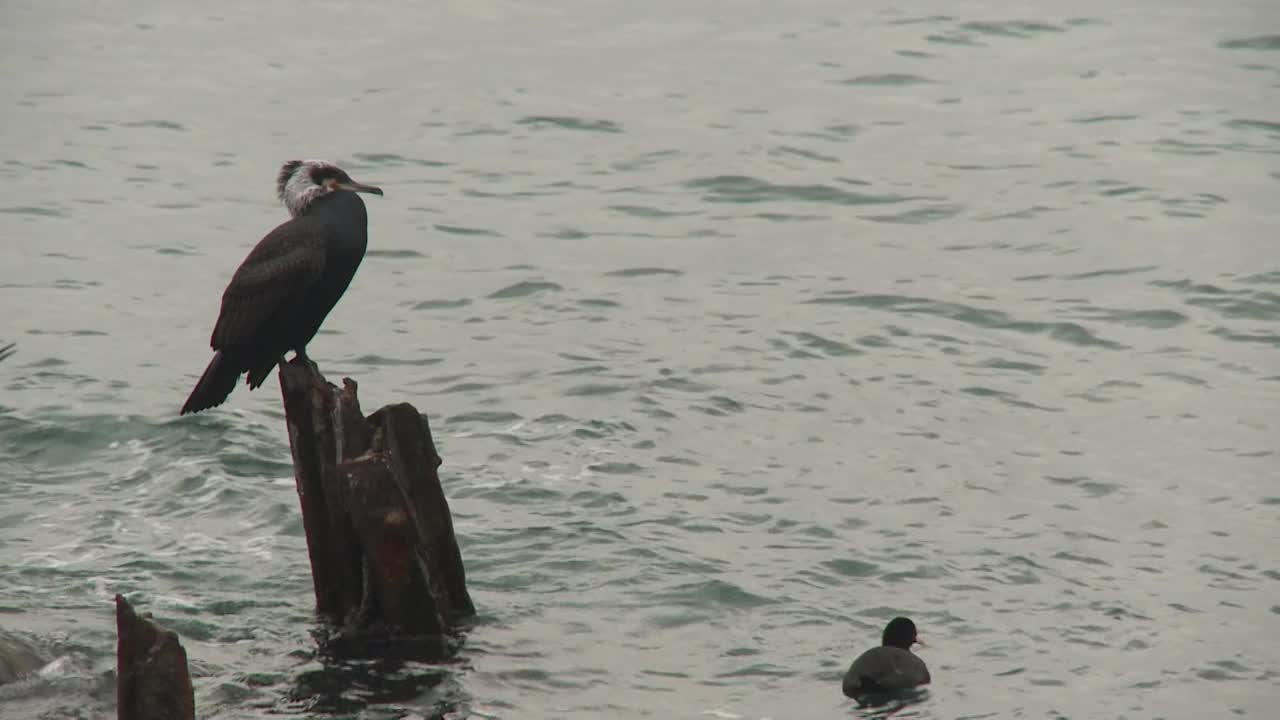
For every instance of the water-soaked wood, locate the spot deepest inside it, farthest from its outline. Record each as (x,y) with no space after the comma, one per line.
(384,559)
(152,681)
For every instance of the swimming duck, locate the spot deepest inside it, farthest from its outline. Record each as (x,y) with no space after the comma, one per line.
(892,666)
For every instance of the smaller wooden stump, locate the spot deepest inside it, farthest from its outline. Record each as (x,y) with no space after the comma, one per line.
(384,560)
(152,682)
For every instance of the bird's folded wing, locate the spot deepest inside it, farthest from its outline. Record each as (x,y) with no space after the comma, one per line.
(276,274)
(888,668)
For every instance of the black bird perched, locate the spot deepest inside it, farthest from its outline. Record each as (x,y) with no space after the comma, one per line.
(890,667)
(289,282)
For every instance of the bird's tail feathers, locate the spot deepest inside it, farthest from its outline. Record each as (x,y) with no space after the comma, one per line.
(258,375)
(217,382)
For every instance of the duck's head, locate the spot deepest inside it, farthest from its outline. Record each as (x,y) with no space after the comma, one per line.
(901,633)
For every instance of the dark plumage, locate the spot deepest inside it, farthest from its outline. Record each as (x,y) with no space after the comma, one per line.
(7,350)
(289,282)
(890,667)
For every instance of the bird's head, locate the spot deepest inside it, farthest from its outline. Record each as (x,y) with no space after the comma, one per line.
(302,182)
(900,632)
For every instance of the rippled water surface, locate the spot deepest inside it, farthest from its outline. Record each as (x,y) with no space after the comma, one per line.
(742,327)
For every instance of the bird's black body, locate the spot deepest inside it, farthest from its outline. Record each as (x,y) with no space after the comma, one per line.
(884,669)
(282,292)
(890,667)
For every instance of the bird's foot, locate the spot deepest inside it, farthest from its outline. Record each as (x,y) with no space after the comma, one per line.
(300,356)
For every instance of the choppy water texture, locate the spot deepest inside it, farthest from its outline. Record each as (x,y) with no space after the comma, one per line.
(742,327)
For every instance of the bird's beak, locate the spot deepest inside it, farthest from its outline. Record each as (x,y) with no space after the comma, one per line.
(920,642)
(354,186)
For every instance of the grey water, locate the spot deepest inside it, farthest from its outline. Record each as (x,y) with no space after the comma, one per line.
(742,327)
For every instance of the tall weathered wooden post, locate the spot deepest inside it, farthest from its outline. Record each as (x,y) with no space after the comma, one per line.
(384,559)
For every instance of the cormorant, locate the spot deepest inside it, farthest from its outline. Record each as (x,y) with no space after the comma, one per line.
(289,282)
(890,667)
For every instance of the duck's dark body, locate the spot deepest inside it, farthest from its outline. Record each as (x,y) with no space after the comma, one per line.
(281,293)
(884,669)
